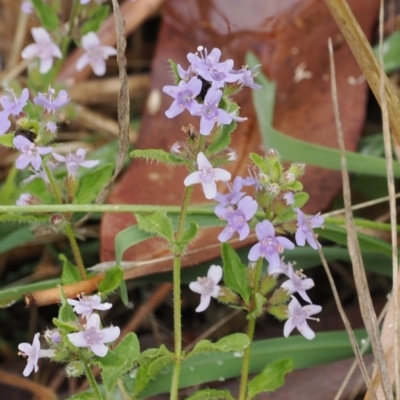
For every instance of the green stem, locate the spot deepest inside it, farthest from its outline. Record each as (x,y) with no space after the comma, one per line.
(92,382)
(177,295)
(179,249)
(250,333)
(67,225)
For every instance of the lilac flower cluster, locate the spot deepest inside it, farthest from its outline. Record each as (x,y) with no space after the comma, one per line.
(90,334)
(201,88)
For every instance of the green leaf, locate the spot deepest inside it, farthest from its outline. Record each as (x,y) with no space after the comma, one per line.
(190,233)
(235,273)
(236,342)
(260,162)
(158,155)
(271,377)
(295,150)
(221,140)
(48,17)
(211,394)
(127,238)
(96,19)
(300,199)
(90,185)
(112,280)
(339,235)
(120,360)
(9,189)
(391,52)
(6,140)
(66,313)
(15,239)
(201,368)
(174,69)
(157,223)
(70,273)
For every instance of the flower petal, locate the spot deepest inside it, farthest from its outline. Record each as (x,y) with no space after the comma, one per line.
(215,273)
(204,303)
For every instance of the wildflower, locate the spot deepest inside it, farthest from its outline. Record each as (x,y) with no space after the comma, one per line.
(93,337)
(51,127)
(298,283)
(282,268)
(86,304)
(74,161)
(298,316)
(252,180)
(176,148)
(33,352)
(230,198)
(48,103)
(4,122)
(15,106)
(44,48)
(203,60)
(184,95)
(207,176)
(30,153)
(219,73)
(305,227)
(95,54)
(24,200)
(289,198)
(210,113)
(53,336)
(207,287)
(237,219)
(27,7)
(269,246)
(247,77)
(41,173)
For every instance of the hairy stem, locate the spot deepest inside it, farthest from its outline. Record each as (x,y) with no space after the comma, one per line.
(92,382)
(67,225)
(250,333)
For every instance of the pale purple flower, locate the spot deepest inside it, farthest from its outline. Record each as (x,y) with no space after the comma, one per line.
(282,268)
(269,246)
(93,337)
(95,54)
(85,1)
(27,7)
(210,113)
(298,316)
(33,352)
(230,198)
(30,153)
(51,127)
(207,287)
(44,48)
(15,105)
(298,283)
(184,95)
(74,161)
(203,60)
(4,122)
(48,103)
(41,173)
(219,73)
(207,176)
(247,77)
(289,198)
(252,180)
(24,200)
(53,336)
(186,75)
(86,304)
(305,227)
(237,218)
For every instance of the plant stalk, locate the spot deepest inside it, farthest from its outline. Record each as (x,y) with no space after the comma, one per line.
(92,382)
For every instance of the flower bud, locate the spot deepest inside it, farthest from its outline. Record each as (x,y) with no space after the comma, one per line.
(268,282)
(226,295)
(75,369)
(297,170)
(280,312)
(280,296)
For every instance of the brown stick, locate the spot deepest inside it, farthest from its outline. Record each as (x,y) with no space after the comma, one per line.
(366,59)
(134,14)
(40,391)
(52,296)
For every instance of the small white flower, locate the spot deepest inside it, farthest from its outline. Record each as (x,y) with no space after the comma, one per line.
(24,200)
(232,155)
(44,48)
(86,304)
(74,161)
(207,176)
(298,316)
(95,54)
(289,198)
(207,287)
(93,337)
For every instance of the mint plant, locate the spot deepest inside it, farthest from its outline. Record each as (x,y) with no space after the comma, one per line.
(268,202)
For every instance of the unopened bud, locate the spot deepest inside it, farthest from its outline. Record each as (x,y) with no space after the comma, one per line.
(280,296)
(27,199)
(268,282)
(297,170)
(75,369)
(280,312)
(227,296)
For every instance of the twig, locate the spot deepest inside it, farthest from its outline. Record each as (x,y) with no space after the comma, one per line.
(366,307)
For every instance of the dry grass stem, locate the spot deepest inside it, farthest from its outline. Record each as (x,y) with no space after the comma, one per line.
(364,298)
(366,59)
